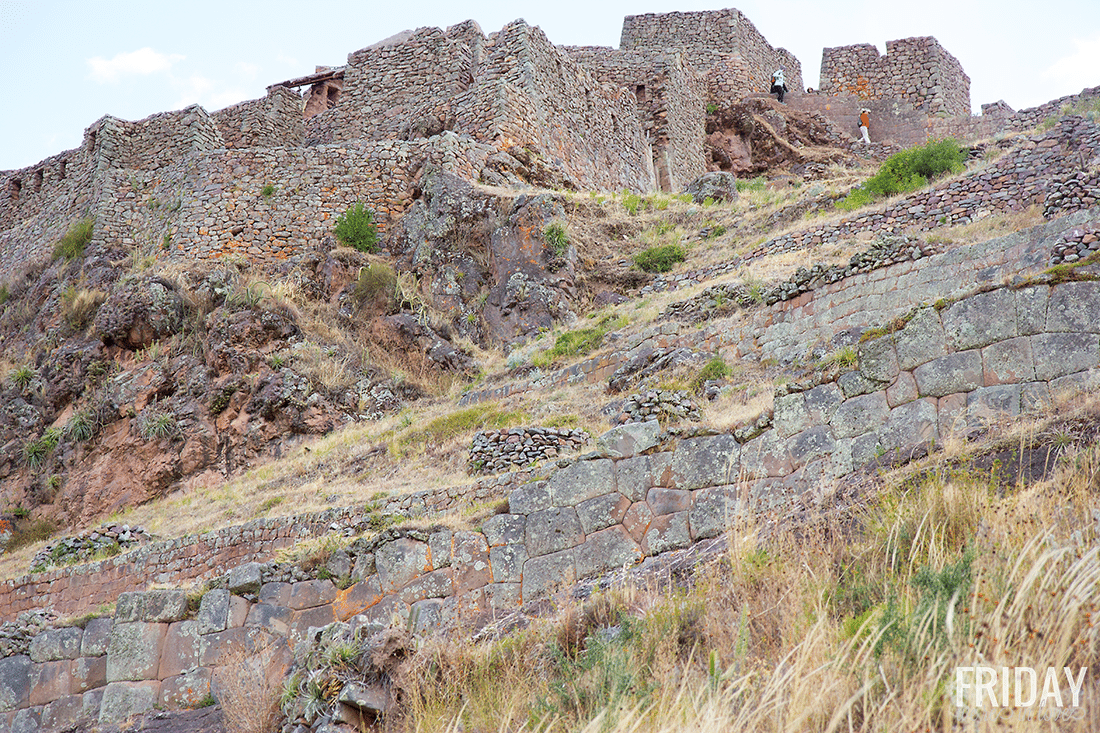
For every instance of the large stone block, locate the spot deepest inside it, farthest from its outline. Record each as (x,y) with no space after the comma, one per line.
(606,550)
(1008,362)
(471,562)
(507,563)
(185,691)
(28,720)
(246,578)
(602,511)
(878,359)
(904,389)
(97,634)
(221,647)
(1031,309)
(504,529)
(1059,354)
(790,415)
(811,444)
(992,404)
(427,615)
(88,673)
(633,477)
(701,462)
(980,320)
(63,713)
(124,700)
(400,561)
(910,424)
(311,593)
(151,606)
(668,501)
(714,510)
(275,594)
(859,415)
(275,619)
(958,372)
(134,650)
(952,414)
(544,575)
(503,595)
(1074,307)
(436,584)
(53,644)
(213,612)
(553,530)
(822,401)
(921,341)
(50,681)
(1085,381)
(1035,397)
(529,498)
(854,384)
(667,532)
(301,622)
(182,649)
(637,519)
(629,440)
(357,598)
(765,456)
(581,480)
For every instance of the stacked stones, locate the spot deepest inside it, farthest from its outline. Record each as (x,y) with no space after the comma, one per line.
(271,121)
(918,70)
(658,404)
(1079,243)
(16,636)
(1027,119)
(493,451)
(1073,192)
(108,539)
(1014,182)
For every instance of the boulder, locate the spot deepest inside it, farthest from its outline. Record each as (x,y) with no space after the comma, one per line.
(716,186)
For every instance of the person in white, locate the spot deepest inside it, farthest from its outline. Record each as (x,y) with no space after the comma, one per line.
(779,83)
(865,124)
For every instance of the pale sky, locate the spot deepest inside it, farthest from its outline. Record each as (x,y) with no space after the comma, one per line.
(66,64)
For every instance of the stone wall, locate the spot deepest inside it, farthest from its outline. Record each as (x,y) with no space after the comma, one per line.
(670,99)
(722,45)
(79,589)
(271,121)
(916,70)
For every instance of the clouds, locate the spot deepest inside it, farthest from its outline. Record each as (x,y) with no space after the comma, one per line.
(1077,69)
(142,62)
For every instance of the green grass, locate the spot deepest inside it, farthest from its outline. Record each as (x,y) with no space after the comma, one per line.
(661,258)
(557,237)
(716,368)
(71,246)
(577,343)
(460,422)
(268,191)
(37,451)
(907,171)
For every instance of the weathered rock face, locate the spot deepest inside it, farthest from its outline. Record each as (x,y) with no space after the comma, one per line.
(140,312)
(483,257)
(405,333)
(759,135)
(716,186)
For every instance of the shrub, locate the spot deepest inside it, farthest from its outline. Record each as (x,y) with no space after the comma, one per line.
(27,534)
(268,191)
(376,288)
(37,451)
(907,171)
(356,228)
(660,259)
(75,240)
(155,425)
(4,293)
(716,368)
(22,376)
(556,236)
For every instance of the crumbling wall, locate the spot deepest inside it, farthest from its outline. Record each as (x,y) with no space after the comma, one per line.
(722,45)
(402,90)
(671,108)
(917,70)
(270,121)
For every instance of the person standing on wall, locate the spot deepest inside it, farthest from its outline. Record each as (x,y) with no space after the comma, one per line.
(865,124)
(779,83)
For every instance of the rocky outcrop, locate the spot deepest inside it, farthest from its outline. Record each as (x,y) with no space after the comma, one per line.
(138,312)
(482,258)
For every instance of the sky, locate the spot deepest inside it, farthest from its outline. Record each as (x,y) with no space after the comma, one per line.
(66,64)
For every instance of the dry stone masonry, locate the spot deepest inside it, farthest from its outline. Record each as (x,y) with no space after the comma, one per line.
(493,451)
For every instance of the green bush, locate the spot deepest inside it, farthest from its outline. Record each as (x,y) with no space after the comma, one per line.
(267,191)
(907,171)
(75,240)
(556,236)
(660,259)
(356,228)
(716,368)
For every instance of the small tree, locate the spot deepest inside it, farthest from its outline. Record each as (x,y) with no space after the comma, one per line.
(356,228)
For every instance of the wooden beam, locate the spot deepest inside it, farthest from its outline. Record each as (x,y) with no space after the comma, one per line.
(311,79)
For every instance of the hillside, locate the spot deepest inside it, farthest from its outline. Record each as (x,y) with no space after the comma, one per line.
(647,416)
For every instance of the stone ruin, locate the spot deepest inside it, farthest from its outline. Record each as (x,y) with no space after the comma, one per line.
(188,184)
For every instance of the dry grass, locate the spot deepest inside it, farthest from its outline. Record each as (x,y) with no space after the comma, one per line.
(248,686)
(998,224)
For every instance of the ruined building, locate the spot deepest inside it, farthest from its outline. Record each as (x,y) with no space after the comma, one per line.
(500,108)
